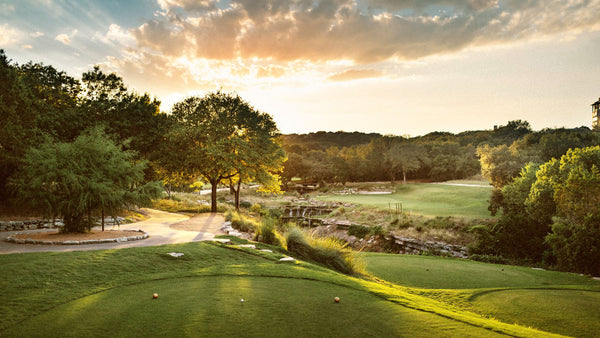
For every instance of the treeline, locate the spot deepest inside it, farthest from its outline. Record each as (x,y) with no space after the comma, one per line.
(79,148)
(338,157)
(73,148)
(547,195)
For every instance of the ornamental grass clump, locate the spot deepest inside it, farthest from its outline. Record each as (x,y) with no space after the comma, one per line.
(241,222)
(267,233)
(328,251)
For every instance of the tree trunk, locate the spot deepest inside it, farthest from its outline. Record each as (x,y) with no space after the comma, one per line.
(404,174)
(102,218)
(237,195)
(213,196)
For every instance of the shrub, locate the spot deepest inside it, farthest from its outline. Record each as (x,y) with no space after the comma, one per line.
(274,213)
(577,246)
(377,230)
(245,204)
(358,230)
(256,208)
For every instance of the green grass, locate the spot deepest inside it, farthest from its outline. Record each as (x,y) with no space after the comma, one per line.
(568,312)
(453,273)
(563,303)
(211,306)
(428,200)
(108,293)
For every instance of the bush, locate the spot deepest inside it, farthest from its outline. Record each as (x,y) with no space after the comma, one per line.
(328,251)
(377,230)
(274,213)
(245,204)
(256,208)
(358,230)
(577,246)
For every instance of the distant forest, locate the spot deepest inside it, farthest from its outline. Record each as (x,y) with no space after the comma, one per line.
(340,157)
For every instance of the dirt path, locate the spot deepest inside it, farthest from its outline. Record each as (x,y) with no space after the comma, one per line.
(162,227)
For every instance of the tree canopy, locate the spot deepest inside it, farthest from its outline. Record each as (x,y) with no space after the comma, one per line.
(86,176)
(220,137)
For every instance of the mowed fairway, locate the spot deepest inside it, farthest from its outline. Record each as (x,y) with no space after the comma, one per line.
(109,293)
(428,199)
(211,307)
(563,303)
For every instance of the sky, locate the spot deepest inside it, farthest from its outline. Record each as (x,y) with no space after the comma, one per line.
(400,67)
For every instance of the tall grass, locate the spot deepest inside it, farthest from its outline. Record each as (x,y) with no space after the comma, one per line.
(267,232)
(328,251)
(241,222)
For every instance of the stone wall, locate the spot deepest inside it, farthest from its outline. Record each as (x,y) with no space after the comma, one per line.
(28,225)
(414,246)
(47,224)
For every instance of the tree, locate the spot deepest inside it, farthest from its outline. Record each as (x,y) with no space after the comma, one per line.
(18,128)
(220,136)
(403,157)
(260,158)
(293,167)
(126,116)
(520,233)
(500,164)
(76,179)
(56,101)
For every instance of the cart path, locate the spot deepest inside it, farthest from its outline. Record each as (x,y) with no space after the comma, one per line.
(162,228)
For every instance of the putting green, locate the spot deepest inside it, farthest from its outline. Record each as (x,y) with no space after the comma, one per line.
(568,312)
(211,306)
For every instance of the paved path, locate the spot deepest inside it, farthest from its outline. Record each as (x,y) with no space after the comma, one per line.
(162,228)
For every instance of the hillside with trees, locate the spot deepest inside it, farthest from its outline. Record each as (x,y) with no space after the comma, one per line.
(78,149)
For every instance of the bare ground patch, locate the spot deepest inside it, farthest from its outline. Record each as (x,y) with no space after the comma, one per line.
(201,223)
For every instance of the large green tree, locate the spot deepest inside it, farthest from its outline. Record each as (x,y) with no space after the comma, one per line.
(18,122)
(568,190)
(76,179)
(403,157)
(220,136)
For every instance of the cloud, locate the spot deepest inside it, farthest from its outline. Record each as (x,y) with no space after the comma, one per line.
(26,46)
(36,34)
(66,38)
(364,32)
(355,74)
(7,8)
(9,35)
(241,44)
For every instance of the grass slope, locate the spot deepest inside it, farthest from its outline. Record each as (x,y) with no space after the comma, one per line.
(428,200)
(108,292)
(563,303)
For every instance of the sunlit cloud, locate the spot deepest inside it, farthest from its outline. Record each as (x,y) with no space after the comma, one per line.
(9,35)
(244,43)
(355,74)
(66,38)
